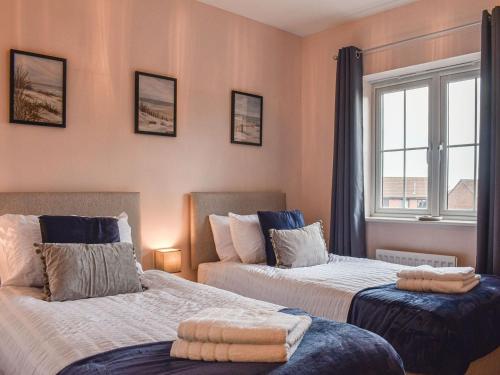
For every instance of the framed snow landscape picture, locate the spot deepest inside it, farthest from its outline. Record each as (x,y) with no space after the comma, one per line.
(155,104)
(246,118)
(37,89)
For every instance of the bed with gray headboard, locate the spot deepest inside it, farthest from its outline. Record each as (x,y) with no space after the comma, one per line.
(78,203)
(328,289)
(204,204)
(40,336)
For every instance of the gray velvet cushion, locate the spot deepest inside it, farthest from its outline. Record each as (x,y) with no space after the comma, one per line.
(76,271)
(301,247)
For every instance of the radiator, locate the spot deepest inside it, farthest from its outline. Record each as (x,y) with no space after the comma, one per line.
(415,259)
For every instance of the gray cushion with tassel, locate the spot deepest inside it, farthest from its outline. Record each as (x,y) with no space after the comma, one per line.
(76,271)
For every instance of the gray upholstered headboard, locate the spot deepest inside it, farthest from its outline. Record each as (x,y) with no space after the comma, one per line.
(204,204)
(85,204)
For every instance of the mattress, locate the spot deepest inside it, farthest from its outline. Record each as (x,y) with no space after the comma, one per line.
(325,290)
(39,337)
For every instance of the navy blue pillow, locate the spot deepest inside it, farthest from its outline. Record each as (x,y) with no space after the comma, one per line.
(278,220)
(79,229)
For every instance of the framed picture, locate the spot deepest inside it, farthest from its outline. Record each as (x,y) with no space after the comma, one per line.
(246,118)
(37,89)
(155,104)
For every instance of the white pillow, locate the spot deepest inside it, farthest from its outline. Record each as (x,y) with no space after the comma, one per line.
(124,228)
(126,236)
(247,238)
(222,238)
(138,267)
(19,264)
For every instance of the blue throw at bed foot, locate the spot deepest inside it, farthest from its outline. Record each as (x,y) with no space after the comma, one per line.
(328,347)
(434,333)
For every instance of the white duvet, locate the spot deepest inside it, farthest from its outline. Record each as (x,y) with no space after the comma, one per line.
(38,337)
(325,290)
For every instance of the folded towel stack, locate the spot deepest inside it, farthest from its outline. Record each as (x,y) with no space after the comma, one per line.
(238,335)
(438,279)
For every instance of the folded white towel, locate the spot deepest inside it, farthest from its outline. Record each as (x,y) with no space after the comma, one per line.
(222,352)
(437,273)
(240,326)
(438,286)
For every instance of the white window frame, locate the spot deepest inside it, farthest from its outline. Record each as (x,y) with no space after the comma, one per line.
(437,81)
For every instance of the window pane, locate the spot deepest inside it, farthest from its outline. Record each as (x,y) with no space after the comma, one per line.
(417,117)
(461,111)
(416,179)
(393,120)
(393,176)
(461,178)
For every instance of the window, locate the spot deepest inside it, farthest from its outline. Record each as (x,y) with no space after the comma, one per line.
(426,144)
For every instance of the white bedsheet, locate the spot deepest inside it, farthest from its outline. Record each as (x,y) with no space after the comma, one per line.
(325,290)
(38,337)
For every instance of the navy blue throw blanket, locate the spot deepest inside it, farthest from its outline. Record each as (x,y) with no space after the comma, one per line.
(434,333)
(328,347)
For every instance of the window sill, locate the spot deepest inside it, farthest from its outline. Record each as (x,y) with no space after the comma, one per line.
(409,220)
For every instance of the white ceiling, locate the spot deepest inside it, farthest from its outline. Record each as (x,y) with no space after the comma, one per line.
(304,17)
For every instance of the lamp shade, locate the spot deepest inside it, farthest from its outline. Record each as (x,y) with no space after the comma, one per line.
(168,260)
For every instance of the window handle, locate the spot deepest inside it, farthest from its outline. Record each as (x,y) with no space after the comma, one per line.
(441,149)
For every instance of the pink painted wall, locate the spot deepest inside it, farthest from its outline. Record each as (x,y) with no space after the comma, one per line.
(210,52)
(318,96)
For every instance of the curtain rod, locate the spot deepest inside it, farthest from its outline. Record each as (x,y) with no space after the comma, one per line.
(424,36)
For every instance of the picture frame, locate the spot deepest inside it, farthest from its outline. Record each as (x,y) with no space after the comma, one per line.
(246,118)
(155,104)
(37,89)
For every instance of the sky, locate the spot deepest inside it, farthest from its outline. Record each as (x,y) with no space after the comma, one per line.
(461,107)
(156,88)
(247,105)
(41,71)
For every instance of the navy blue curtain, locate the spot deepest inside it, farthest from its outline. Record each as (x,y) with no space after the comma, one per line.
(488,204)
(347,224)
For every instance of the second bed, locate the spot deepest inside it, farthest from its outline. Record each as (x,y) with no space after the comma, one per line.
(434,333)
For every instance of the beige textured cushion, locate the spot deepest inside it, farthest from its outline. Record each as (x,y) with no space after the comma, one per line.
(300,247)
(76,271)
